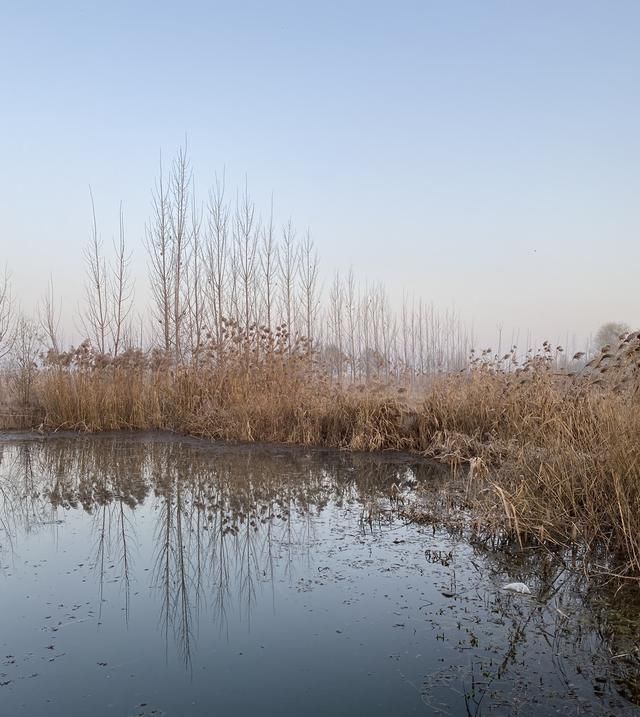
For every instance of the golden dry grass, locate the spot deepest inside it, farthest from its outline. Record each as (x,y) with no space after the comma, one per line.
(553,456)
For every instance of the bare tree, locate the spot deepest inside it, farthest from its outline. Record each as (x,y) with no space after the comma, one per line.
(121,290)
(288,270)
(26,348)
(382,330)
(406,359)
(194,293)
(268,264)
(246,246)
(309,285)
(234,300)
(96,320)
(6,314)
(158,243)
(365,326)
(179,193)
(168,241)
(609,334)
(49,317)
(336,329)
(216,252)
(352,318)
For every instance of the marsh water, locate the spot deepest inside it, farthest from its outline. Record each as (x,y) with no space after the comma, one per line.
(147,575)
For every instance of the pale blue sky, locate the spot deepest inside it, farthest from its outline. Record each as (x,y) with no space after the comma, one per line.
(481,153)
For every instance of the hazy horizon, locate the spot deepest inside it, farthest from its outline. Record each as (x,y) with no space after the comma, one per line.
(480,156)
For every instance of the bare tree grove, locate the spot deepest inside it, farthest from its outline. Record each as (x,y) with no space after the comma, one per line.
(217,268)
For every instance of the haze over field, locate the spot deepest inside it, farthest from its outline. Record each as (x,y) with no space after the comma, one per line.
(480,155)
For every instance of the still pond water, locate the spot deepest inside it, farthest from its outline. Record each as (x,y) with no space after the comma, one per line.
(150,576)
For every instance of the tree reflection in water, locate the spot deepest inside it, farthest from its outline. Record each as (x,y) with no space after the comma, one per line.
(219,516)
(225,518)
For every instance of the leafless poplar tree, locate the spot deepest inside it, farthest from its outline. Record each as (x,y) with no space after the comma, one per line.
(96,320)
(159,249)
(179,193)
(6,314)
(309,286)
(49,318)
(216,252)
(168,243)
(246,247)
(27,345)
(194,293)
(268,265)
(365,324)
(288,258)
(352,320)
(121,290)
(336,329)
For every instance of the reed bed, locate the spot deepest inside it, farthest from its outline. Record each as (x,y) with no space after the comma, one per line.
(546,455)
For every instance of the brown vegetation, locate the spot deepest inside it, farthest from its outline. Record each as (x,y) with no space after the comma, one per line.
(546,455)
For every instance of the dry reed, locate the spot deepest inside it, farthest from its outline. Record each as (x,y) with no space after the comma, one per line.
(553,456)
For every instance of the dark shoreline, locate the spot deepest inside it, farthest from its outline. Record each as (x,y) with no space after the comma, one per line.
(218,446)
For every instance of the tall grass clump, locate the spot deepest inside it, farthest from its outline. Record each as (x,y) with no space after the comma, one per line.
(559,451)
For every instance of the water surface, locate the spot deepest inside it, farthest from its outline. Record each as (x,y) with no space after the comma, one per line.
(145,575)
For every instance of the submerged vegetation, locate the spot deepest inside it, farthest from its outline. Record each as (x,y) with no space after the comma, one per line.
(237,346)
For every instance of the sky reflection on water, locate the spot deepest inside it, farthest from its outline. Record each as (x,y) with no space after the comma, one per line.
(154,576)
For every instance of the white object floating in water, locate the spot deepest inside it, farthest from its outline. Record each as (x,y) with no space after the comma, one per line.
(517,588)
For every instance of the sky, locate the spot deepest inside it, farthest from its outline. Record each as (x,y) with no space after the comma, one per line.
(484,155)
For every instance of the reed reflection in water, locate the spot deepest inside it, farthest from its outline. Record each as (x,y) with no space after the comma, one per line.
(220,515)
(282,574)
